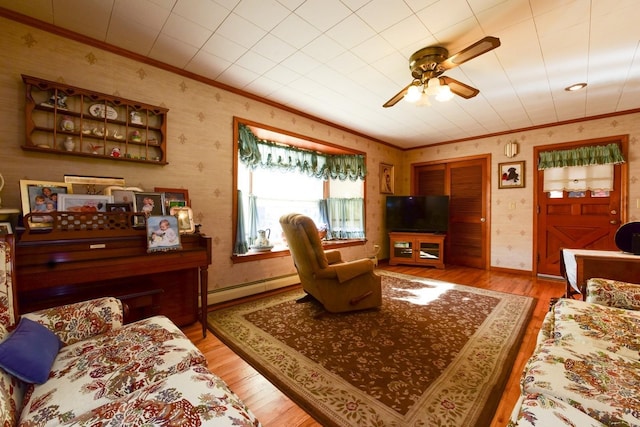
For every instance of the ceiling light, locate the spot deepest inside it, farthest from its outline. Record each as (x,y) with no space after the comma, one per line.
(414,93)
(575,87)
(444,93)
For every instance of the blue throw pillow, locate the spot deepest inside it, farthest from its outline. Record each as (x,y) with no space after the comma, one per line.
(29,351)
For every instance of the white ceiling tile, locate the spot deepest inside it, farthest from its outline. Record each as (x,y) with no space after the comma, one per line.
(171,51)
(223,48)
(295,31)
(300,62)
(241,31)
(382,14)
(131,35)
(273,48)
(207,65)
(282,74)
(323,49)
(444,13)
(355,4)
(255,62)
(91,17)
(316,13)
(342,59)
(373,49)
(237,76)
(351,32)
(405,33)
(266,14)
(206,13)
(143,12)
(186,31)
(227,4)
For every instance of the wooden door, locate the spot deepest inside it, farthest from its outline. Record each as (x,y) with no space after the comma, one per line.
(466,183)
(577,220)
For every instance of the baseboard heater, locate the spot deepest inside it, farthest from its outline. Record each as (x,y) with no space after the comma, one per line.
(251,288)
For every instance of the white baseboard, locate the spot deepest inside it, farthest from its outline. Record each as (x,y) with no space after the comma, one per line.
(251,289)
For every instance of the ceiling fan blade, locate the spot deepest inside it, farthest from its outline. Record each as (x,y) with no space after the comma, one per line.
(478,48)
(393,101)
(459,88)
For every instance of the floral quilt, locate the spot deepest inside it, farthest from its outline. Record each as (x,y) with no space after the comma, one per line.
(586,359)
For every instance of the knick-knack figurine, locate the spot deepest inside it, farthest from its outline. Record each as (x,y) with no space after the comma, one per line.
(69,144)
(67,124)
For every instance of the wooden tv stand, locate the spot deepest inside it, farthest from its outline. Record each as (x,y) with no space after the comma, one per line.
(416,249)
(57,267)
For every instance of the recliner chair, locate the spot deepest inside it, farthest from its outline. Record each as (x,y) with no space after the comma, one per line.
(339,286)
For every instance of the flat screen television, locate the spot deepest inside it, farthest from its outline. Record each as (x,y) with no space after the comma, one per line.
(418,214)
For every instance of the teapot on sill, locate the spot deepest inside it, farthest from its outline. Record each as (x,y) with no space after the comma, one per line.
(263,238)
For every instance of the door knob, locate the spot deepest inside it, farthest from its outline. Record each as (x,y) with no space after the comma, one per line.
(483,219)
(613,221)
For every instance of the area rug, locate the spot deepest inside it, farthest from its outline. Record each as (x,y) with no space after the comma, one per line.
(434,354)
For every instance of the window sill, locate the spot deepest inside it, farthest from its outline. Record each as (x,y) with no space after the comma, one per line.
(280,252)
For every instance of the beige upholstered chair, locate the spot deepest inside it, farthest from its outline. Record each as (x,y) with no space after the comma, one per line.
(339,286)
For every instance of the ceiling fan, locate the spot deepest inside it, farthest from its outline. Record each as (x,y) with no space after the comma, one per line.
(429,63)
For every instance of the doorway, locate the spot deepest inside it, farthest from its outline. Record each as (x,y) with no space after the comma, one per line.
(577,219)
(466,182)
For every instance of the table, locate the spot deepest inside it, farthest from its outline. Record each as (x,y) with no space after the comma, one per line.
(579,265)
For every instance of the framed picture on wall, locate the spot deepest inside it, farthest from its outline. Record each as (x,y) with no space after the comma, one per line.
(511,175)
(386,178)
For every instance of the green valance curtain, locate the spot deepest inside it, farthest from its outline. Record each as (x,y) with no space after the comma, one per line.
(582,156)
(255,153)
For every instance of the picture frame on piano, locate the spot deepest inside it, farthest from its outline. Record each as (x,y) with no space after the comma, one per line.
(163,233)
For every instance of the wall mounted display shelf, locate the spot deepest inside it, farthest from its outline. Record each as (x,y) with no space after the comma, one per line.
(65,119)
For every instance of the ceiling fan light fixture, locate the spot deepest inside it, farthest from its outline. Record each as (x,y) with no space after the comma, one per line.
(414,93)
(444,93)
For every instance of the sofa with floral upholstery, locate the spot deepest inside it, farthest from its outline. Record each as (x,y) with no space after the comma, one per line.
(79,365)
(585,370)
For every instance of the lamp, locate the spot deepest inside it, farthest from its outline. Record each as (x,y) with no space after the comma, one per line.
(511,149)
(419,91)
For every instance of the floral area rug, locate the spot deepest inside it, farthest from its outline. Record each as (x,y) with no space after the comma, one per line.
(434,353)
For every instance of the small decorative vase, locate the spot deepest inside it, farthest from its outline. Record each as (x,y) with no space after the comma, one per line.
(69,145)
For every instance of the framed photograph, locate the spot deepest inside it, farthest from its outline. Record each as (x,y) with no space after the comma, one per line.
(119,207)
(83,202)
(90,182)
(149,203)
(174,195)
(41,197)
(386,178)
(162,233)
(111,189)
(511,175)
(5,228)
(185,219)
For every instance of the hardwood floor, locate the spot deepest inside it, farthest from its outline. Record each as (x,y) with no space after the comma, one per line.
(273,408)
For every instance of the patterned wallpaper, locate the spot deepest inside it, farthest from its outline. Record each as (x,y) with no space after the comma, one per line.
(512,210)
(199,139)
(200,150)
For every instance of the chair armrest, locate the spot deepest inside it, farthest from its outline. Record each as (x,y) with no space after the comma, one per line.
(79,321)
(348,270)
(614,293)
(334,256)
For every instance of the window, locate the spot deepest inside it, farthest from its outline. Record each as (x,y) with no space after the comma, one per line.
(300,175)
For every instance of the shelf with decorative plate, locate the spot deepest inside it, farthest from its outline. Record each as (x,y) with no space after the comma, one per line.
(68,120)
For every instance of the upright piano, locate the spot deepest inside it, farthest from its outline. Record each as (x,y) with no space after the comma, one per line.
(89,255)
